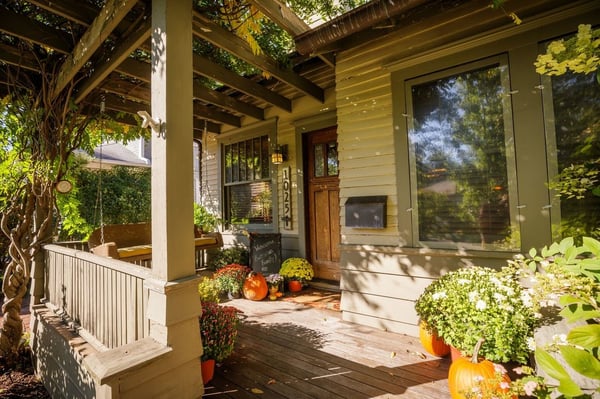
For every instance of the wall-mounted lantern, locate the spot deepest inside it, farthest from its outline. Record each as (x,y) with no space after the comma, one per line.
(280,154)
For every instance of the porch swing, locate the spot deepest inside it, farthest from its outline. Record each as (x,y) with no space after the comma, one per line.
(132,242)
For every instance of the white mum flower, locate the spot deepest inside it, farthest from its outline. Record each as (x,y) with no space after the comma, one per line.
(531,344)
(480,305)
(439,295)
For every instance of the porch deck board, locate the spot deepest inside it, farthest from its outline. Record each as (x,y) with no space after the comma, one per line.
(287,350)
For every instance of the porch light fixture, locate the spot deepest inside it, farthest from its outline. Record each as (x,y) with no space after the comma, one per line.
(279,155)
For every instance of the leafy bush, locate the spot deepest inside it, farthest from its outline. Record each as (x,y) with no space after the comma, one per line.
(208,290)
(478,302)
(218,328)
(204,219)
(567,276)
(297,269)
(231,277)
(126,198)
(226,256)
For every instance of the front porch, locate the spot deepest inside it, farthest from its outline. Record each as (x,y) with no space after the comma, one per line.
(289,350)
(93,319)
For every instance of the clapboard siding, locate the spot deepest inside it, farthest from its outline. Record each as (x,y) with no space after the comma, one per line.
(386,313)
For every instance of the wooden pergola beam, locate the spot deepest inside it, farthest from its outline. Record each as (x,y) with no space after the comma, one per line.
(205,67)
(109,17)
(220,37)
(121,52)
(76,11)
(33,31)
(229,103)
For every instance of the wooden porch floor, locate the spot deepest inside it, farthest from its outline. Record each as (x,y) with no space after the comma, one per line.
(288,350)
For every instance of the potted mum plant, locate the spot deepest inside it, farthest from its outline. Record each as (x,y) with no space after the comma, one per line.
(230,279)
(274,282)
(297,271)
(218,327)
(471,303)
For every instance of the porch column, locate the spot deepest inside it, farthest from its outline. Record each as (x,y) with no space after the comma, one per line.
(174,303)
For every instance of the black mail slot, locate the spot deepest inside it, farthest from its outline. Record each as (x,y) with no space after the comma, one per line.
(366,212)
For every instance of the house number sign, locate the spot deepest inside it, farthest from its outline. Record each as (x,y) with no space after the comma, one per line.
(287,199)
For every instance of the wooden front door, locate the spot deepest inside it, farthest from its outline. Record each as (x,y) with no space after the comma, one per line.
(323,203)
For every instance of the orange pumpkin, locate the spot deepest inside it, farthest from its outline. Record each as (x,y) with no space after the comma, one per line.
(431,342)
(255,287)
(466,374)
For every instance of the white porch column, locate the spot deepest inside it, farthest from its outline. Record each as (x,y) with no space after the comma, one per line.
(174,303)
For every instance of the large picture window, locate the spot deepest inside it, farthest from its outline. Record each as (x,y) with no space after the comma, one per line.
(247,177)
(572,103)
(462,168)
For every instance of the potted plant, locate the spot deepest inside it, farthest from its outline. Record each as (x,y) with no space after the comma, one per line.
(297,270)
(471,303)
(274,282)
(206,221)
(230,278)
(218,327)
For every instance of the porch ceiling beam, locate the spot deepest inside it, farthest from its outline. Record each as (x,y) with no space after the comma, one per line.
(76,11)
(124,99)
(213,114)
(141,93)
(229,103)
(19,59)
(120,53)
(220,37)
(109,17)
(29,30)
(130,119)
(205,67)
(287,19)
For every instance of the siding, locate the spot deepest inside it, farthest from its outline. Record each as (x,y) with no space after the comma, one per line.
(381,275)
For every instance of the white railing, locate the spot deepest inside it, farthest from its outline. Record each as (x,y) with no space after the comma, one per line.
(103,298)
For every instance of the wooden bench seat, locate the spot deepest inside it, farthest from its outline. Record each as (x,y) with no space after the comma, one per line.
(133,242)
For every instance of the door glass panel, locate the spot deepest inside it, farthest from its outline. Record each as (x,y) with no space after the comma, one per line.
(319,160)
(332,159)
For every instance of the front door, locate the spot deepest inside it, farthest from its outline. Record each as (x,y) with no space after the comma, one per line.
(323,203)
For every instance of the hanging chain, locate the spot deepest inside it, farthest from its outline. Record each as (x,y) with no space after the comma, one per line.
(99,194)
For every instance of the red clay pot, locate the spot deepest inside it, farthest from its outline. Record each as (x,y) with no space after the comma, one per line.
(294,286)
(208,370)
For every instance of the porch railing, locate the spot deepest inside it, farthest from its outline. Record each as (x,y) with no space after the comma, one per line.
(103,298)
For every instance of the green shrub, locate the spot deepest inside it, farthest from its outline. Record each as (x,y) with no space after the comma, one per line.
(226,256)
(208,290)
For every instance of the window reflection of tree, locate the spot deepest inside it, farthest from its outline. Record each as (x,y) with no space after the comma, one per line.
(459,142)
(576,105)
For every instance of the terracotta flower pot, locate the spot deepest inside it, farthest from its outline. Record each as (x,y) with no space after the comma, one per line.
(432,342)
(295,285)
(208,370)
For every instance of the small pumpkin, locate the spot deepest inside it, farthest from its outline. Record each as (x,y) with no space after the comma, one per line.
(431,341)
(255,287)
(466,374)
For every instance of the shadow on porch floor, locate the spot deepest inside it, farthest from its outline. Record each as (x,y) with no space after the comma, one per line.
(290,350)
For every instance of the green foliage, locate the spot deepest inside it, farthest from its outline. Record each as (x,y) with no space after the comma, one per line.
(579,54)
(478,302)
(218,328)
(231,278)
(297,269)
(227,256)
(206,220)
(125,199)
(208,290)
(570,273)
